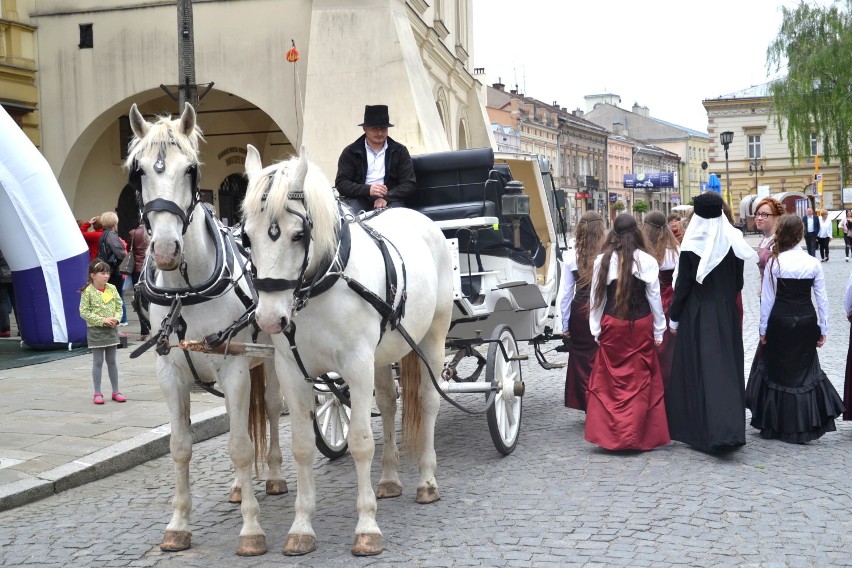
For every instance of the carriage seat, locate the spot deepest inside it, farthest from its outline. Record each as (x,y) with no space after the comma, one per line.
(465,210)
(451,185)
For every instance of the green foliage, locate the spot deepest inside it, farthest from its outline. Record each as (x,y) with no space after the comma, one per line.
(815,44)
(619,206)
(640,206)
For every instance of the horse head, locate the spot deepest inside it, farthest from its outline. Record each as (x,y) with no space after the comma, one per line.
(164,168)
(291,218)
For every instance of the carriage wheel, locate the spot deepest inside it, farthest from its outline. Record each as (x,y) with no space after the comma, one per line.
(504,415)
(331,423)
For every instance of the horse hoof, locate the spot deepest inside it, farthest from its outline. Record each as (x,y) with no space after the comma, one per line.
(428,494)
(276,487)
(252,545)
(174,541)
(299,544)
(368,544)
(388,489)
(236,495)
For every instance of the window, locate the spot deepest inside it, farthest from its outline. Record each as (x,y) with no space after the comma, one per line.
(754,150)
(814,145)
(86,36)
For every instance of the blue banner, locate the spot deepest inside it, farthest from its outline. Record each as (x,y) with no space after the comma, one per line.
(649,180)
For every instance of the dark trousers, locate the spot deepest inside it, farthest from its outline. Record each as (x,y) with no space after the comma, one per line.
(6,305)
(823,247)
(848,241)
(358,204)
(810,243)
(143,329)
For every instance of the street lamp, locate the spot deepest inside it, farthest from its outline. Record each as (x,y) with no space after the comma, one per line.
(755,167)
(726,138)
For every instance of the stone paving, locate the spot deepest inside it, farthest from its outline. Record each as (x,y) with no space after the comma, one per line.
(556,501)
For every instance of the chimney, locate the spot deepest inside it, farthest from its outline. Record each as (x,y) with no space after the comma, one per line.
(640,110)
(617,128)
(514,91)
(578,112)
(479,70)
(499,86)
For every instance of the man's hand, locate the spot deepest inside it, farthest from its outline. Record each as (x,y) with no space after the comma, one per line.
(763,340)
(379,203)
(378,190)
(821,341)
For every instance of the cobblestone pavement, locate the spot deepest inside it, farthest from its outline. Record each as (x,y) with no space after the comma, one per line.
(557,501)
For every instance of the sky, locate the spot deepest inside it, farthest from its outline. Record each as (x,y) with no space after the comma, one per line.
(668,55)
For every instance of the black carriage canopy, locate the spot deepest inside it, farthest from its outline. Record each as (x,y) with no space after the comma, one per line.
(464,184)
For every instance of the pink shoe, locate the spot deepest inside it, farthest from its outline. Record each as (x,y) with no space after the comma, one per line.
(99,398)
(117,397)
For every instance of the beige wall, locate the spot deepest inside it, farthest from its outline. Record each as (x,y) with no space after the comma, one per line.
(352,54)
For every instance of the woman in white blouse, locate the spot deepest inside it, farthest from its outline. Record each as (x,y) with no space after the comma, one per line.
(793,399)
(626,407)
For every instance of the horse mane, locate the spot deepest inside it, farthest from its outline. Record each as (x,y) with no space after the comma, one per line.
(319,201)
(163,133)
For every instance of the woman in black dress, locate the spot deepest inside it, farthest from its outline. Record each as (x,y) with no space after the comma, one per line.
(705,398)
(794,401)
(577,278)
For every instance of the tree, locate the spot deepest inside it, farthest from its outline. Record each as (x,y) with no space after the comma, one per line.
(618,206)
(816,94)
(640,206)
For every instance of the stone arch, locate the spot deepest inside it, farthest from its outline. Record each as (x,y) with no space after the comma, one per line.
(463,135)
(443,106)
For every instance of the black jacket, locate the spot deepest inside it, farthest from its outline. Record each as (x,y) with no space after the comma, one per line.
(817,224)
(352,172)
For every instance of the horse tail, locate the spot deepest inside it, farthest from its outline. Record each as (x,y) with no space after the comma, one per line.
(412,411)
(257,415)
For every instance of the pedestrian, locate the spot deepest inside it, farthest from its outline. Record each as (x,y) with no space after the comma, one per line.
(811,223)
(112,250)
(6,296)
(846,227)
(92,231)
(676,226)
(793,399)
(705,399)
(625,404)
(665,249)
(766,213)
(824,235)
(375,171)
(100,307)
(577,278)
(847,386)
(138,247)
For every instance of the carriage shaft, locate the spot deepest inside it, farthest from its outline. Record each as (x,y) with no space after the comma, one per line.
(232,348)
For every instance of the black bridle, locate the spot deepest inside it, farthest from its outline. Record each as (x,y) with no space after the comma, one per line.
(160,204)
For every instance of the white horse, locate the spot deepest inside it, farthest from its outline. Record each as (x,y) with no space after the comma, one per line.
(296,228)
(192,258)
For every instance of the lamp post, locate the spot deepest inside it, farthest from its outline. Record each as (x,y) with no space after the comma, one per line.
(726,138)
(755,167)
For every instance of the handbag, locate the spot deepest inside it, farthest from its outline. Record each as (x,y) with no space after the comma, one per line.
(128,263)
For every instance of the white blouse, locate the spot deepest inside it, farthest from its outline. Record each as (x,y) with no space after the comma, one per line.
(645,268)
(670,259)
(569,265)
(793,263)
(847,300)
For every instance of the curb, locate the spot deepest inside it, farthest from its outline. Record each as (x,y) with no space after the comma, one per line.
(108,461)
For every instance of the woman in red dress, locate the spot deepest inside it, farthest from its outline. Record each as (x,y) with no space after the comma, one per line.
(577,278)
(664,247)
(626,408)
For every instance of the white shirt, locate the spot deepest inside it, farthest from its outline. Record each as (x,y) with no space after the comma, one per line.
(847,300)
(810,224)
(824,229)
(375,164)
(794,263)
(569,265)
(670,259)
(645,268)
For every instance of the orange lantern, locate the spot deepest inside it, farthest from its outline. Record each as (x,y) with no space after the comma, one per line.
(292,54)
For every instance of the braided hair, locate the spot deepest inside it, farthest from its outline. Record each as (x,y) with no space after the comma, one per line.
(623,240)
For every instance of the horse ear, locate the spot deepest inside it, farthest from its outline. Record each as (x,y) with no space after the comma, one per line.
(187,120)
(253,161)
(138,125)
(301,170)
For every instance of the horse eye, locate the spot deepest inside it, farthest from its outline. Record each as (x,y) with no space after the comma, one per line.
(298,236)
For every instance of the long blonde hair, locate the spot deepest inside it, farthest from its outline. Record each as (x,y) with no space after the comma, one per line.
(658,236)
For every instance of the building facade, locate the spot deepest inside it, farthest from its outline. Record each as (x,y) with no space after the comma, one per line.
(691,145)
(619,162)
(18,91)
(96,58)
(759,157)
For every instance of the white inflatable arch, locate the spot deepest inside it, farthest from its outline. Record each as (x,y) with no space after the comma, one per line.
(42,244)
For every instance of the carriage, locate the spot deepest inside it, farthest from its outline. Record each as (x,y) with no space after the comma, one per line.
(388,279)
(499,216)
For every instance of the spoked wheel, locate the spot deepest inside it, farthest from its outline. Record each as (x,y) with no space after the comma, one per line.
(331,423)
(504,415)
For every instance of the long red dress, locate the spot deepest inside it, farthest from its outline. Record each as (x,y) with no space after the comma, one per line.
(626,404)
(665,353)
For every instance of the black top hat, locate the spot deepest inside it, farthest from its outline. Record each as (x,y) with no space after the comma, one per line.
(708,205)
(376,116)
